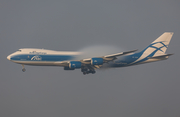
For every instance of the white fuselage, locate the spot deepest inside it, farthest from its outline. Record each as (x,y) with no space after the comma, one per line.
(32,56)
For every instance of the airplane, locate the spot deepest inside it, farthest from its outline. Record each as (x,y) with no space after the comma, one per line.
(43,57)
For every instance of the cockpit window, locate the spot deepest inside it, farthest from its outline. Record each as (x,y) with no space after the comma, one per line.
(19,51)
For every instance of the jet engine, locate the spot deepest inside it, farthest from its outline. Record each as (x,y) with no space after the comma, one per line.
(75,64)
(97,61)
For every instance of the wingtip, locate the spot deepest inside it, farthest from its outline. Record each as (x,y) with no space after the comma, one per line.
(132,51)
(170,33)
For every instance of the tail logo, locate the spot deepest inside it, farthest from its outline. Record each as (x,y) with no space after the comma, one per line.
(150,51)
(158,46)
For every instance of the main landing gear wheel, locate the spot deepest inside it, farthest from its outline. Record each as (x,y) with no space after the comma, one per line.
(93,72)
(87,71)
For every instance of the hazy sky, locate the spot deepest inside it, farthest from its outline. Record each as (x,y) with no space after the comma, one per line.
(148,90)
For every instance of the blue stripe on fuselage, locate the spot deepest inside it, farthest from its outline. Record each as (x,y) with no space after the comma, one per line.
(126,60)
(27,57)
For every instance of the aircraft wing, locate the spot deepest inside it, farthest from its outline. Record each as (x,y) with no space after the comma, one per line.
(119,54)
(110,57)
(95,62)
(62,63)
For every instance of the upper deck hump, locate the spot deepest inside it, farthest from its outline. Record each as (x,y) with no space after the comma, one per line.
(46,51)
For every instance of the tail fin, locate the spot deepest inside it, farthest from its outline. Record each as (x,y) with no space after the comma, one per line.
(160,45)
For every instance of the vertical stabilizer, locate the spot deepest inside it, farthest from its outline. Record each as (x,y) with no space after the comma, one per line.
(160,45)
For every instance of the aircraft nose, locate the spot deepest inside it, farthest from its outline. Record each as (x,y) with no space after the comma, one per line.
(9,57)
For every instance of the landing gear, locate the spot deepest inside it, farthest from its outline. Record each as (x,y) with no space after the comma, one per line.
(87,71)
(84,73)
(93,72)
(23,69)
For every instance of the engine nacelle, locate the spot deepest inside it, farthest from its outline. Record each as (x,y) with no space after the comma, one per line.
(97,61)
(67,68)
(75,64)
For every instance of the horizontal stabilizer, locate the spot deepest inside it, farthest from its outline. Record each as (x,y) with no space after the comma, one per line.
(159,57)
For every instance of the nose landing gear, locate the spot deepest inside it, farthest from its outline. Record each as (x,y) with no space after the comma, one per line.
(23,69)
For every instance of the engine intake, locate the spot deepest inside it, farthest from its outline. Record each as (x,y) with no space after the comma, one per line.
(97,61)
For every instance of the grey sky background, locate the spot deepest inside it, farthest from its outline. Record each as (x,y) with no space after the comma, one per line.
(148,90)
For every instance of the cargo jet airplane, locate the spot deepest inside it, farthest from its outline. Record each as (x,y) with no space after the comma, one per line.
(32,56)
